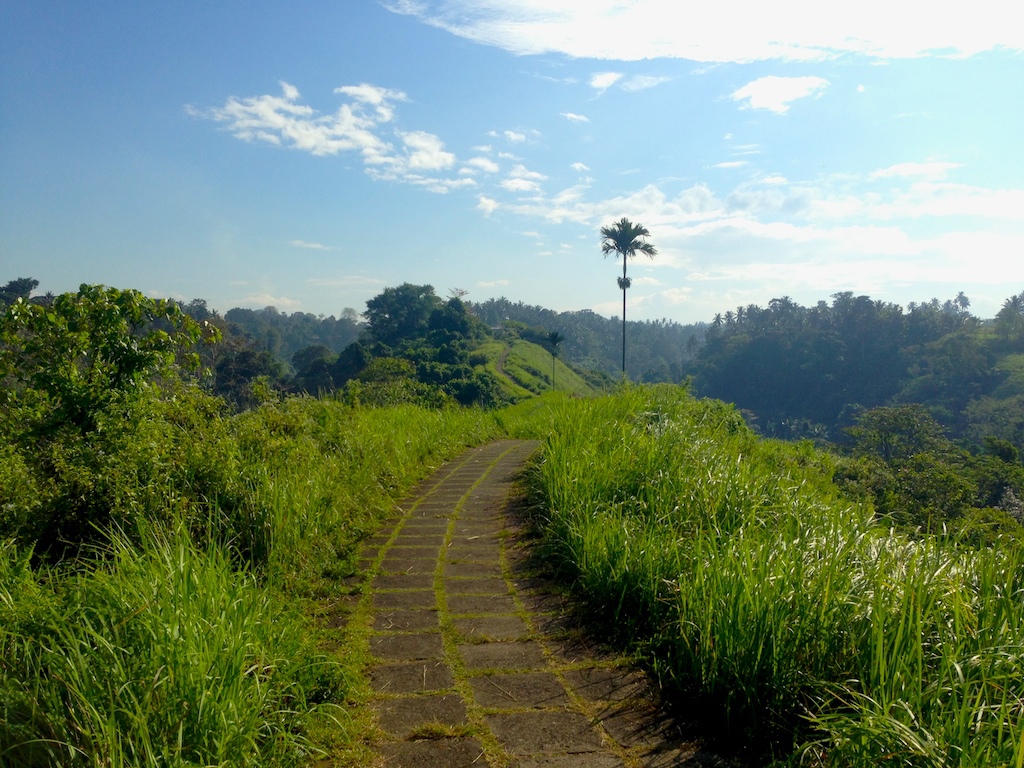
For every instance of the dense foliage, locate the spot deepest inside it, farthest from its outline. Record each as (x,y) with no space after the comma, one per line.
(809,371)
(159,555)
(658,349)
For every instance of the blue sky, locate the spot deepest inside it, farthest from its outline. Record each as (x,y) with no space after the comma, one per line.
(308,155)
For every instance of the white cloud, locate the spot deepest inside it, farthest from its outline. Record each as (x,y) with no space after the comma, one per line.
(579,167)
(602,81)
(928,170)
(522,180)
(484,164)
(572,117)
(775,93)
(487,205)
(266,300)
(491,283)
(515,136)
(643,82)
(730,164)
(426,152)
(356,126)
(522,172)
(520,185)
(313,246)
(793,30)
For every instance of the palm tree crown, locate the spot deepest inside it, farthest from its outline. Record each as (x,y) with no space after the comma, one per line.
(626,239)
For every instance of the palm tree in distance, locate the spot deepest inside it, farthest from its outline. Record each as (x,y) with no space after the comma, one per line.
(626,239)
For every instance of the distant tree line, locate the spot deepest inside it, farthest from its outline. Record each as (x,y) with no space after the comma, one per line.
(659,350)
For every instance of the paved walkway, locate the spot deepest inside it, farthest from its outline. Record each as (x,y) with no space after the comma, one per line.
(475,660)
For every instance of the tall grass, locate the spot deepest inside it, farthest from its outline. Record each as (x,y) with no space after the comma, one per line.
(733,567)
(186,639)
(164,655)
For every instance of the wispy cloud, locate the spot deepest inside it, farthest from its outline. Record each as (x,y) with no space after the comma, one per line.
(580,167)
(776,93)
(357,126)
(785,30)
(643,82)
(572,117)
(492,283)
(312,246)
(926,170)
(266,300)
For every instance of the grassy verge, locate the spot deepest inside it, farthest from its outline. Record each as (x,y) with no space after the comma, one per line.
(731,565)
(191,638)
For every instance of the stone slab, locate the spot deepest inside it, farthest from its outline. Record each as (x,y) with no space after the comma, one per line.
(580,760)
(608,683)
(637,727)
(402,716)
(485,586)
(511,655)
(404,581)
(405,619)
(435,753)
(492,627)
(422,645)
(465,604)
(393,563)
(414,677)
(525,689)
(472,552)
(472,569)
(406,599)
(532,733)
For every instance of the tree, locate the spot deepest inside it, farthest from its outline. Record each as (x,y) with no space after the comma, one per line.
(399,313)
(625,239)
(19,288)
(86,349)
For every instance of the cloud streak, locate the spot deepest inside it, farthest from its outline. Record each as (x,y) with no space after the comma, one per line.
(788,30)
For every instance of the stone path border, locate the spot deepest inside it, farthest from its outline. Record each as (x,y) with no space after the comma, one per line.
(475,662)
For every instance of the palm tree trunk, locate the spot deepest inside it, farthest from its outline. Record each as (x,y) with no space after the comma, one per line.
(623,317)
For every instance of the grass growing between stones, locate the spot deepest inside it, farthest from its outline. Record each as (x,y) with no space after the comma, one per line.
(813,633)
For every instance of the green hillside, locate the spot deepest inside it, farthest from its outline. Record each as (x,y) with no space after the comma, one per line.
(524,369)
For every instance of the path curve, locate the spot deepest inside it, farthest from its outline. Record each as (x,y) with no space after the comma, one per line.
(475,661)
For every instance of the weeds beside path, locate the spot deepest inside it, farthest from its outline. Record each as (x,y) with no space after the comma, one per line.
(475,660)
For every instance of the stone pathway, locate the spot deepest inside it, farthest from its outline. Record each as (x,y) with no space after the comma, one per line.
(475,660)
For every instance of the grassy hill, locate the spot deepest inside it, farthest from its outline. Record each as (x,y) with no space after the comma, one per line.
(524,369)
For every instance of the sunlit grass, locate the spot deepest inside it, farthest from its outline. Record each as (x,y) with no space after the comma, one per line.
(731,565)
(191,642)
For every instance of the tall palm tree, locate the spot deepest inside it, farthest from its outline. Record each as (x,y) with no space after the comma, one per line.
(626,239)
